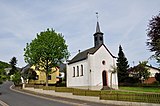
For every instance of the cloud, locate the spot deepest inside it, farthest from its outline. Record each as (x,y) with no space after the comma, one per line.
(123,22)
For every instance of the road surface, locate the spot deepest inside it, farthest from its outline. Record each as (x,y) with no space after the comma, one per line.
(13,98)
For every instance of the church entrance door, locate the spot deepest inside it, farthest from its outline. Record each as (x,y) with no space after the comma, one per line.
(104,78)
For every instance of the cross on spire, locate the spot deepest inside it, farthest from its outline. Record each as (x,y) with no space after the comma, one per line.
(97,16)
(98,36)
(97,27)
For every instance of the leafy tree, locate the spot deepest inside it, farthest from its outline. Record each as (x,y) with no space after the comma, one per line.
(29,74)
(13,63)
(157,77)
(140,71)
(3,73)
(122,66)
(16,78)
(47,50)
(153,32)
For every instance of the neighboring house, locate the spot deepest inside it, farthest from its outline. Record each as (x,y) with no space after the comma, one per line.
(90,69)
(153,71)
(41,76)
(7,70)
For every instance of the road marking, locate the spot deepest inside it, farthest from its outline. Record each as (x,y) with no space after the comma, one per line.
(60,101)
(3,103)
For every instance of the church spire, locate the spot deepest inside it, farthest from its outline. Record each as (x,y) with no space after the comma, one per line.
(98,36)
(97,27)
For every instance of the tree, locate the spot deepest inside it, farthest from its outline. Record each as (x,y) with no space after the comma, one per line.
(140,71)
(157,77)
(16,78)
(122,66)
(153,32)
(13,63)
(3,71)
(47,50)
(29,74)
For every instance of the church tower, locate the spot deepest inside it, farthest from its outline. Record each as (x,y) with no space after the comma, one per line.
(98,36)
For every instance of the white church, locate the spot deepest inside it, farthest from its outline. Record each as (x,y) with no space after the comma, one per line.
(91,69)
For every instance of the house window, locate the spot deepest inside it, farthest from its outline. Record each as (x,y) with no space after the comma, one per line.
(81,70)
(74,72)
(77,71)
(49,77)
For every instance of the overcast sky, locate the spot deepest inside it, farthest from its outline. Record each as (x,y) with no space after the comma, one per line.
(123,22)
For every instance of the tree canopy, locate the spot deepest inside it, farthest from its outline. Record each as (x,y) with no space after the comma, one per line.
(13,63)
(140,72)
(47,50)
(122,66)
(153,32)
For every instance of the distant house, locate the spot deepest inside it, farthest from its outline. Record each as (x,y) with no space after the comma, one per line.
(91,68)
(41,76)
(153,71)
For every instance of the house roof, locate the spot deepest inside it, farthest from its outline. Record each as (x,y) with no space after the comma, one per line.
(153,67)
(83,55)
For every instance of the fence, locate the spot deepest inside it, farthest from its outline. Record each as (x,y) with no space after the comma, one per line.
(147,98)
(107,94)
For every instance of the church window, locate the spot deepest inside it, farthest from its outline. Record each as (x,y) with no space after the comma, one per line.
(77,71)
(81,70)
(101,38)
(95,38)
(103,62)
(73,71)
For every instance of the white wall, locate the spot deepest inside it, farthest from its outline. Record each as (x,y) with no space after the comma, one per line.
(97,67)
(77,80)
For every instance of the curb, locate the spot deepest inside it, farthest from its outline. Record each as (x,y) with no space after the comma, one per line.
(44,97)
(117,103)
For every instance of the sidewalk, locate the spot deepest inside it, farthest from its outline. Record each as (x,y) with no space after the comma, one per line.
(88,98)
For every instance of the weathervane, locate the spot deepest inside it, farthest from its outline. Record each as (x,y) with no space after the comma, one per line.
(97,16)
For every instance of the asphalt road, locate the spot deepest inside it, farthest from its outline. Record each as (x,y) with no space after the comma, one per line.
(13,98)
(17,99)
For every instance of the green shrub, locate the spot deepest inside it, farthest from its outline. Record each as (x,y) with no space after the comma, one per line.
(64,89)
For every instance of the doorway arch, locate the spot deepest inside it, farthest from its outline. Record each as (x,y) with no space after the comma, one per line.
(104,78)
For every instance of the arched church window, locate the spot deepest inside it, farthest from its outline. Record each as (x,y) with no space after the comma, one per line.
(74,72)
(77,71)
(101,38)
(81,70)
(95,38)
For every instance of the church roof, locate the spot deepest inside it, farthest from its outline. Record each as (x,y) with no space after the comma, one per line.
(83,55)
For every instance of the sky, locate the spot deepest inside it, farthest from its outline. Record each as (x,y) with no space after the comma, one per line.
(123,22)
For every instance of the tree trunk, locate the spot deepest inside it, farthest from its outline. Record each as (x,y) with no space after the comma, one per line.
(111,81)
(46,79)
(47,72)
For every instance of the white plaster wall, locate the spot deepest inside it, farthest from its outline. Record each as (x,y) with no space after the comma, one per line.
(153,72)
(80,80)
(97,67)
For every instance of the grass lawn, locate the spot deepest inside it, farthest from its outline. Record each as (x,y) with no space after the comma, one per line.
(141,89)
